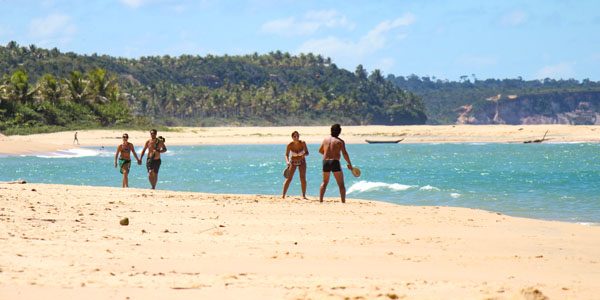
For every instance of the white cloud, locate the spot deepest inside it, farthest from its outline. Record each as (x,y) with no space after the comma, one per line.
(514,18)
(401,36)
(52,27)
(310,23)
(385,64)
(562,70)
(377,38)
(332,47)
(348,52)
(133,3)
(140,3)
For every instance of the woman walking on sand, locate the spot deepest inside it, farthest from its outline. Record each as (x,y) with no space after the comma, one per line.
(298,150)
(123,153)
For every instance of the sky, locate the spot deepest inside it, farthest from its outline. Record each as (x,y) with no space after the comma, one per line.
(534,39)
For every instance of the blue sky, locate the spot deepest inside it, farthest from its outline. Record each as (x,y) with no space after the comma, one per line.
(443,39)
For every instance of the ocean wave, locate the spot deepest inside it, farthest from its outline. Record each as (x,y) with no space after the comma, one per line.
(365,186)
(429,188)
(588,223)
(76,152)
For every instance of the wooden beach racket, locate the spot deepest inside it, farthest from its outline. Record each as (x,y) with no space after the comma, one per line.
(356,172)
(286,173)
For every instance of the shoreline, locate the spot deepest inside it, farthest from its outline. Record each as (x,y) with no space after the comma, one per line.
(66,240)
(315,198)
(181,136)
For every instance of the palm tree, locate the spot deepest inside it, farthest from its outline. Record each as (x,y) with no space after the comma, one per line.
(376,76)
(103,86)
(19,89)
(50,89)
(4,88)
(77,87)
(360,72)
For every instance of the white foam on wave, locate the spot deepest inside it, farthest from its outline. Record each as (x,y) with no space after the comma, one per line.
(588,223)
(365,186)
(429,188)
(455,195)
(76,152)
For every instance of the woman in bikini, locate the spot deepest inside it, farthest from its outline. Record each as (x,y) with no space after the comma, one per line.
(124,156)
(298,151)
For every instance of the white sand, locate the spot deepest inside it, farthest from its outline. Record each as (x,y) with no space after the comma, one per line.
(311,134)
(65,242)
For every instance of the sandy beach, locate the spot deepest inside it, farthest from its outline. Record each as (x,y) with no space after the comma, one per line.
(65,242)
(311,134)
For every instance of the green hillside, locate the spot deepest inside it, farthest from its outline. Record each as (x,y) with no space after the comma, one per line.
(45,89)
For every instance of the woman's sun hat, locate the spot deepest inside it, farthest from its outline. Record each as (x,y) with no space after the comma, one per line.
(356,172)
(286,173)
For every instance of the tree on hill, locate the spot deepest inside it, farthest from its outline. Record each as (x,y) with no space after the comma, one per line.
(274,88)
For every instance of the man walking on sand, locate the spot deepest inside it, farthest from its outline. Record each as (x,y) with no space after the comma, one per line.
(75,139)
(331,148)
(155,147)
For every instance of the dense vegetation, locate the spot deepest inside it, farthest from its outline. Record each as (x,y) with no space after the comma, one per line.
(443,98)
(44,88)
(79,101)
(47,90)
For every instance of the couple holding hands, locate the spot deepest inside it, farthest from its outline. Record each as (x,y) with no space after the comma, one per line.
(155,147)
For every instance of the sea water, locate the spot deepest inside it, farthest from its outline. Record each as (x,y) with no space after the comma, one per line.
(544,181)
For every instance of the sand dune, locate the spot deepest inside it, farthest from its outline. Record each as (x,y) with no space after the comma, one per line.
(65,242)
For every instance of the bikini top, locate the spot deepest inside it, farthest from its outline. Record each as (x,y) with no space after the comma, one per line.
(299,153)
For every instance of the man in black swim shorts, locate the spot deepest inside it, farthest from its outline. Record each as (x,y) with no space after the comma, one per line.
(331,165)
(332,148)
(153,165)
(155,147)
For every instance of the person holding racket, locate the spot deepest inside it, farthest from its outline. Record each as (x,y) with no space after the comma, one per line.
(332,148)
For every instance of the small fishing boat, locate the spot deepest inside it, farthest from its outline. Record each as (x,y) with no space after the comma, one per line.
(537,141)
(383,142)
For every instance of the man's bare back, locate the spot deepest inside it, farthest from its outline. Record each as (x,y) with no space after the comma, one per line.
(332,148)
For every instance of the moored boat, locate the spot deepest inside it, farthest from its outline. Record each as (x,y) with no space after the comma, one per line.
(384,141)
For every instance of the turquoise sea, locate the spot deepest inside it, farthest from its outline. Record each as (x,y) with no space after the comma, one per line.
(544,181)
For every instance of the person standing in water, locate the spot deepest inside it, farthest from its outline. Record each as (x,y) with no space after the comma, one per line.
(155,147)
(124,155)
(331,148)
(298,150)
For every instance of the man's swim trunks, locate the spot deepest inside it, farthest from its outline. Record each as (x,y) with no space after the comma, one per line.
(331,165)
(153,165)
(124,164)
